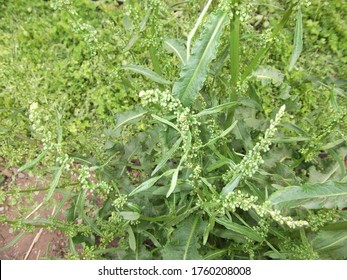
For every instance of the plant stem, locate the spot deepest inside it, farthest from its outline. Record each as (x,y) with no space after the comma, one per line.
(234,63)
(152,50)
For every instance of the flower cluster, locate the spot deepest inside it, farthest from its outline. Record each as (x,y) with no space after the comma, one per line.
(111,228)
(336,119)
(84,178)
(306,3)
(87,31)
(164,101)
(322,217)
(240,200)
(265,210)
(233,201)
(63,4)
(243,9)
(251,162)
(65,161)
(38,119)
(297,251)
(196,172)
(120,201)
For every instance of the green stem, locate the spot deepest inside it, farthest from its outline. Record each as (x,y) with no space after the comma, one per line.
(234,50)
(152,50)
(234,63)
(155,60)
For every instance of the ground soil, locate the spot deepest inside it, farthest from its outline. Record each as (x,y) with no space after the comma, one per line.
(42,243)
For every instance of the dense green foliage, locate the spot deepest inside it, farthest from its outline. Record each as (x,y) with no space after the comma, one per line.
(180,129)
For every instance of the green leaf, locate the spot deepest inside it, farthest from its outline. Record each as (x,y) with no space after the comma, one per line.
(317,176)
(219,163)
(332,244)
(13,241)
(222,135)
(184,242)
(298,40)
(216,109)
(216,254)
(295,128)
(177,48)
(289,139)
(165,121)
(147,73)
(152,238)
(91,224)
(132,239)
(207,230)
(194,73)
(174,180)
(33,162)
(243,230)
(130,216)
(127,117)
(54,183)
(311,196)
(231,185)
(150,182)
(265,74)
(80,203)
(167,156)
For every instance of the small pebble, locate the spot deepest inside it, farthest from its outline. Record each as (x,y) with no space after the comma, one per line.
(2,208)
(21,175)
(6,173)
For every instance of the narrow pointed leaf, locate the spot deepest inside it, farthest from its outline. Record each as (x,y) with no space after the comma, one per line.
(208,229)
(216,109)
(298,42)
(13,241)
(231,185)
(194,73)
(54,183)
(150,182)
(33,162)
(222,135)
(165,121)
(92,225)
(174,180)
(249,232)
(147,73)
(167,156)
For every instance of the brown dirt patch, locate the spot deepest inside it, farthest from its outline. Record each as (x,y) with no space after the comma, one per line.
(40,244)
